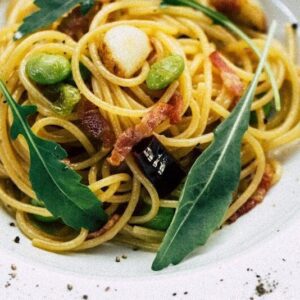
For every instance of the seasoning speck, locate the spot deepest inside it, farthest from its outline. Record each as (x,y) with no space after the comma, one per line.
(69,287)
(118,259)
(13,267)
(17,240)
(185,293)
(264,285)
(12,275)
(295,26)
(85,297)
(107,289)
(12,224)
(174,294)
(124,256)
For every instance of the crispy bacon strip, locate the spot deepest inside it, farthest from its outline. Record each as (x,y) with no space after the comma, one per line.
(110,224)
(259,195)
(231,81)
(132,136)
(95,125)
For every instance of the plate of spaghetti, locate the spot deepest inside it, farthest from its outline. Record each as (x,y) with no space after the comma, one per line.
(168,127)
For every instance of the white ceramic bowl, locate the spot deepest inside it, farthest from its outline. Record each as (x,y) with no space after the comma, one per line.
(265,241)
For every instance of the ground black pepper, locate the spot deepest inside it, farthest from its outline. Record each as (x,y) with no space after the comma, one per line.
(17,240)
(118,259)
(69,287)
(85,297)
(12,224)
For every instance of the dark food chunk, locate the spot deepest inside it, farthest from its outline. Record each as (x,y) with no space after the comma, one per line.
(159,166)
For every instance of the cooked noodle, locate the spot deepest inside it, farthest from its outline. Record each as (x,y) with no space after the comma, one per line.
(123,102)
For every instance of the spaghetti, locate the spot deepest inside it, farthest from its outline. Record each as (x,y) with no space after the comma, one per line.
(124,101)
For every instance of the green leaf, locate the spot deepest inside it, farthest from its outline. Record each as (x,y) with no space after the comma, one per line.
(86,5)
(213,178)
(49,11)
(54,183)
(221,19)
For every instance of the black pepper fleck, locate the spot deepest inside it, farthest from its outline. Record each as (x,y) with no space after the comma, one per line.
(69,287)
(13,267)
(124,256)
(17,240)
(174,294)
(185,293)
(107,289)
(118,259)
(12,224)
(85,297)
(295,26)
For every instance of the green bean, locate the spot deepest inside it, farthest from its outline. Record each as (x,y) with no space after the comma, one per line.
(69,96)
(39,203)
(164,72)
(48,69)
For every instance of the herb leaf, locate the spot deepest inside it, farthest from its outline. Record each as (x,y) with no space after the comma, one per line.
(212,180)
(86,5)
(54,183)
(223,20)
(49,12)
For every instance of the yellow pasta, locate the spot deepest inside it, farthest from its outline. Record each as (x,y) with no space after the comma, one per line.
(123,101)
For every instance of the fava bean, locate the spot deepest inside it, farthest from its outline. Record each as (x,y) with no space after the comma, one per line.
(48,69)
(69,96)
(164,72)
(39,203)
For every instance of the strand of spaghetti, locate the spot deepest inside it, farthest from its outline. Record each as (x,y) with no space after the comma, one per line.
(54,246)
(121,222)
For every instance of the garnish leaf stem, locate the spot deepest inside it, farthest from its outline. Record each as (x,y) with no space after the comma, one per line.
(211,182)
(223,20)
(54,183)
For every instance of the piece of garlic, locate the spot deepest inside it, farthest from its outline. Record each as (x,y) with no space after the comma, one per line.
(125,49)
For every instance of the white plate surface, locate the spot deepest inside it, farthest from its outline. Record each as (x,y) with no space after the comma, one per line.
(262,247)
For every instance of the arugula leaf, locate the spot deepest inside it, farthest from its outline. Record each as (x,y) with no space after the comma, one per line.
(49,11)
(86,5)
(53,182)
(208,190)
(223,20)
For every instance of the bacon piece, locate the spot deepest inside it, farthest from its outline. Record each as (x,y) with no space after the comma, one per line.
(231,81)
(110,224)
(132,136)
(246,12)
(76,24)
(227,6)
(95,125)
(259,195)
